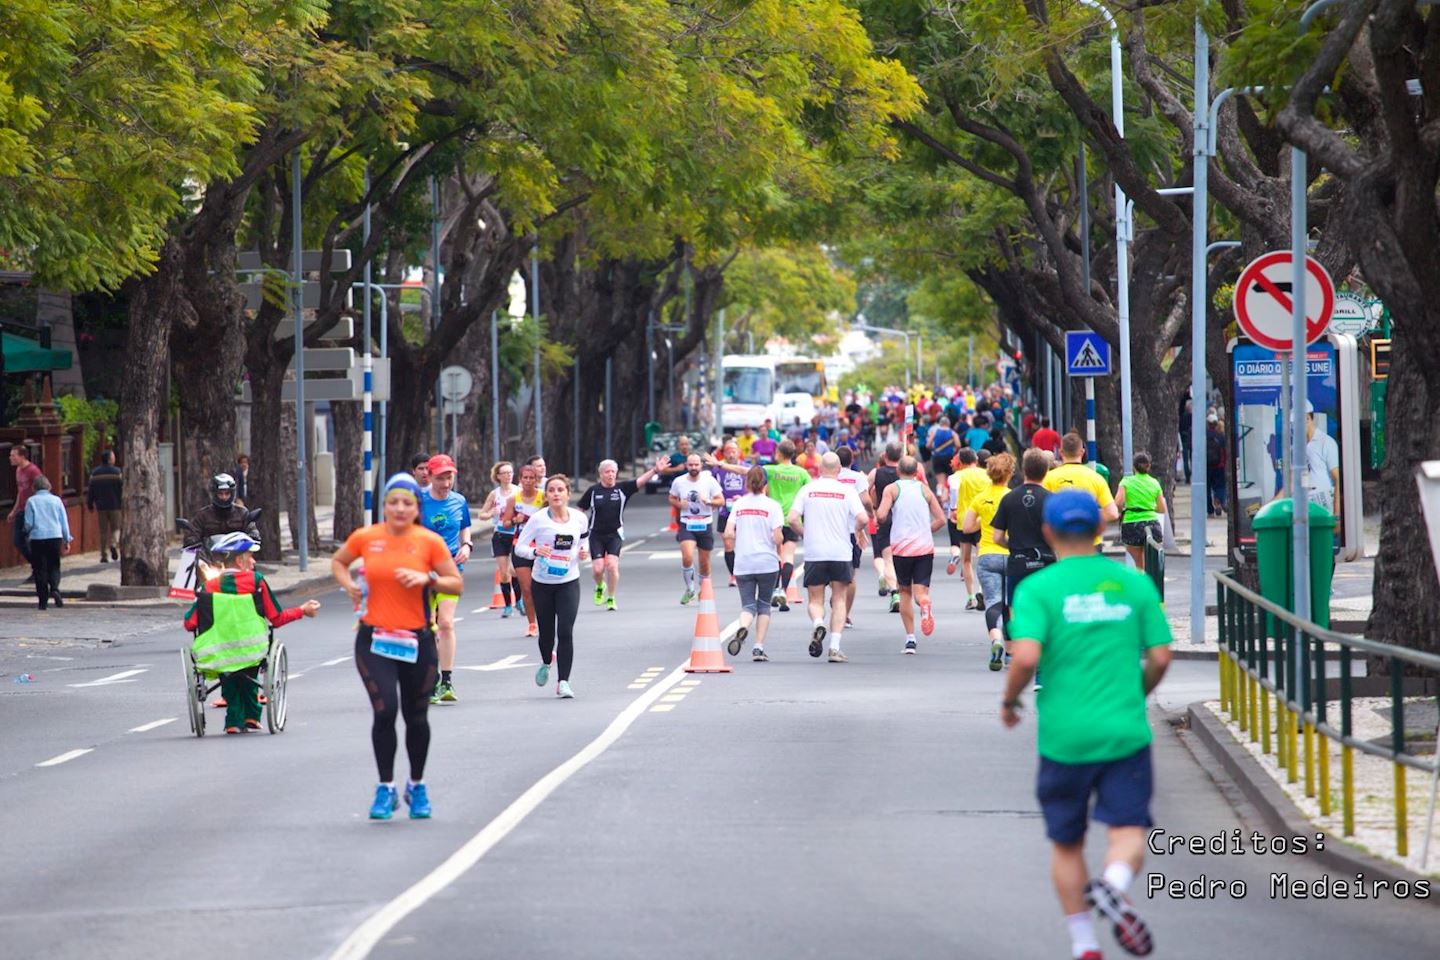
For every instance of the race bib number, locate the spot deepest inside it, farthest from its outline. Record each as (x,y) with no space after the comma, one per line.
(402,645)
(696,524)
(558,563)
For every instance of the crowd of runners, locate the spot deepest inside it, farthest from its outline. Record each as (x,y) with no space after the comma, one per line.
(1017,503)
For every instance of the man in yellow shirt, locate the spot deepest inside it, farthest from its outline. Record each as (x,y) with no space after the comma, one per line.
(1072,474)
(746,443)
(970,481)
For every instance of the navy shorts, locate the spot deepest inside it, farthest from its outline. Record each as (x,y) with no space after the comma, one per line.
(1121,788)
(703,539)
(604,545)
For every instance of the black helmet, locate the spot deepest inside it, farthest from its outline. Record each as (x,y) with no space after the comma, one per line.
(219,482)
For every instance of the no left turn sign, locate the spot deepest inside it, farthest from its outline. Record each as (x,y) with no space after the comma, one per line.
(1263,304)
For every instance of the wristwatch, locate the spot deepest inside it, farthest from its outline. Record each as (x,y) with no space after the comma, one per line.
(434,577)
(1011,704)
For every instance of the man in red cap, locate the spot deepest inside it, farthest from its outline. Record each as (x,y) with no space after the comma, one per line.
(445,510)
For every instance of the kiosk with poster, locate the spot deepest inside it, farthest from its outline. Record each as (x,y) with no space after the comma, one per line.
(1256,432)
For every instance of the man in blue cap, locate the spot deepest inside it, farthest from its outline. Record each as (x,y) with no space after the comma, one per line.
(1083,619)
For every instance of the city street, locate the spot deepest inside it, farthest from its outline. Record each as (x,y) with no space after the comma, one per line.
(790,809)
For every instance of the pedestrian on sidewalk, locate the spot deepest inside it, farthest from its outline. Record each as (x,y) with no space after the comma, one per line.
(102,495)
(48,528)
(1082,619)
(25,474)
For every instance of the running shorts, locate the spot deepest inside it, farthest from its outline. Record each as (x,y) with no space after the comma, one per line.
(502,544)
(704,539)
(822,572)
(1132,534)
(605,545)
(881,541)
(912,571)
(1121,788)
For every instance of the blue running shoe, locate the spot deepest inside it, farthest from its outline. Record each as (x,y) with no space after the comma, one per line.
(418,800)
(507,611)
(542,676)
(386,800)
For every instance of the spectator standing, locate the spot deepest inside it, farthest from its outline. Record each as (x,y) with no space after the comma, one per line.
(25,474)
(242,478)
(1045,438)
(103,496)
(48,528)
(1214,465)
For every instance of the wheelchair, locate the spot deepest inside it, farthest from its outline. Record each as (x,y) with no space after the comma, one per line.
(272,679)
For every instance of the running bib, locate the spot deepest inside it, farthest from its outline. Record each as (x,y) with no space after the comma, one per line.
(695,525)
(558,563)
(402,645)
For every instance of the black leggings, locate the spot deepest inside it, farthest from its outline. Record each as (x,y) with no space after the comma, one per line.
(403,689)
(556,605)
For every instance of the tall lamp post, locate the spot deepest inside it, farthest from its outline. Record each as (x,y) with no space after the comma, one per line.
(1123,232)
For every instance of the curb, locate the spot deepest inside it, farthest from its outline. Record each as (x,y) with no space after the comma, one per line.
(1279,811)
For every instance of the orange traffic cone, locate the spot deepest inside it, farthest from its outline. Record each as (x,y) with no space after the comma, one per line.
(497,599)
(705,655)
(792,592)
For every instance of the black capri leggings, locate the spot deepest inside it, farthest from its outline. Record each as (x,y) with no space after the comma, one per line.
(556,605)
(398,688)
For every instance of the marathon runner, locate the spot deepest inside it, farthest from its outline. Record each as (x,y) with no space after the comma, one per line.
(695,494)
(554,540)
(1140,502)
(826,512)
(1018,526)
(420,470)
(733,485)
(913,515)
(861,483)
(1072,473)
(395,650)
(502,541)
(605,503)
(969,483)
(885,473)
(784,480)
(445,511)
(525,502)
(753,536)
(994,558)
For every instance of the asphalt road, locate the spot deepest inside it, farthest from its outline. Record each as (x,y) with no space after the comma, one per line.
(791,809)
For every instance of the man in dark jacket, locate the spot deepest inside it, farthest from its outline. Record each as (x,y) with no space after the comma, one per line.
(103,496)
(222,515)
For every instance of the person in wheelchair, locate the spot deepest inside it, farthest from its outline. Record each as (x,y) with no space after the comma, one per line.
(223,514)
(231,619)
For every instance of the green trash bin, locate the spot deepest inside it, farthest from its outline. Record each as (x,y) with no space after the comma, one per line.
(1103,470)
(652,427)
(1273,548)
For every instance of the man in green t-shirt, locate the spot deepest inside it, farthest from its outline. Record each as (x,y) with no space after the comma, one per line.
(1087,620)
(785,481)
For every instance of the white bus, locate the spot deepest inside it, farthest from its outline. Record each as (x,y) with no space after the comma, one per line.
(753,386)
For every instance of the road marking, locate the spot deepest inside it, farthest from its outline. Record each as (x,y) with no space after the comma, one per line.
(514,660)
(331,663)
(662,708)
(364,937)
(665,555)
(459,619)
(689,683)
(65,757)
(146,727)
(113,678)
(637,686)
(672,698)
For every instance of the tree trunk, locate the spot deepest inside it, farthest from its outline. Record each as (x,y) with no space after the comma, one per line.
(265,450)
(410,424)
(155,302)
(1407,593)
(472,449)
(349,469)
(291,478)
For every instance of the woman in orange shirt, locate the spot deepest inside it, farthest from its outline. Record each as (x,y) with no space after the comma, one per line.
(402,564)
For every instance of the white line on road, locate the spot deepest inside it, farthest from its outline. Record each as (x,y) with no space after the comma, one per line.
(64,757)
(331,663)
(514,660)
(364,938)
(146,727)
(113,678)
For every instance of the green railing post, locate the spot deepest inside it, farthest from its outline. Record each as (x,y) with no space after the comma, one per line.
(1347,753)
(1397,745)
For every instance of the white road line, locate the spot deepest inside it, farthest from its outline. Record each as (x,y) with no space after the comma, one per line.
(331,663)
(364,938)
(113,678)
(665,555)
(64,757)
(146,727)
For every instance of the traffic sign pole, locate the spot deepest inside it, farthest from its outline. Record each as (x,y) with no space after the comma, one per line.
(1299,234)
(1091,448)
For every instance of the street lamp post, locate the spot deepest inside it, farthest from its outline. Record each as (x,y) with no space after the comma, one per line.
(1123,236)
(297,254)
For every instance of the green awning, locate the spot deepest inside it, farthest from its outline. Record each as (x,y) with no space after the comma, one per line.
(25,356)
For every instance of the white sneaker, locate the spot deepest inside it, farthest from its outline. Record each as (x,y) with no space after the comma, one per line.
(563,691)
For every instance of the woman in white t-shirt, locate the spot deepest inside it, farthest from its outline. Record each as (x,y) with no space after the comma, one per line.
(753,534)
(556,538)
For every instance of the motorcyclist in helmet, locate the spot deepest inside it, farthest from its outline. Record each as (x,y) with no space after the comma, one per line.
(224,514)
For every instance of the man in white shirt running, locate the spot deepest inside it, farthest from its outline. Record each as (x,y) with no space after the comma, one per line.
(826,512)
(696,494)
(914,515)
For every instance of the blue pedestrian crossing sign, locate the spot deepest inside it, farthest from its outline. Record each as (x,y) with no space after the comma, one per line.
(1087,354)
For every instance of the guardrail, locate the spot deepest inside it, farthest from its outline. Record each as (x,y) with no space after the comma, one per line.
(1266,651)
(1154,557)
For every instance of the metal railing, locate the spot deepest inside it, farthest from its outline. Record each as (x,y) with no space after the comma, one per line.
(1154,557)
(1266,651)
